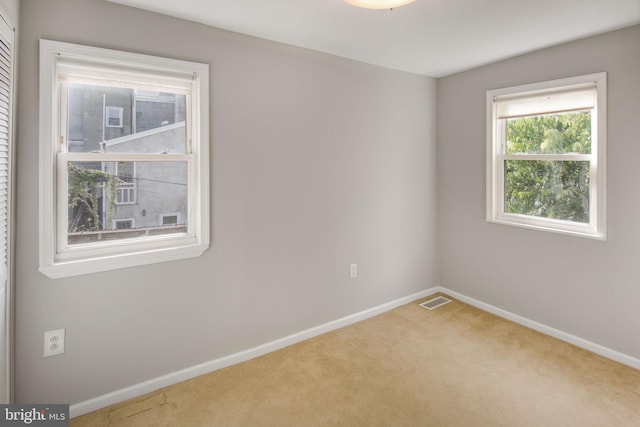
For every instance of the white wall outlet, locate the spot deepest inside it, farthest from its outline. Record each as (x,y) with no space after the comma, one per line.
(53,342)
(353,271)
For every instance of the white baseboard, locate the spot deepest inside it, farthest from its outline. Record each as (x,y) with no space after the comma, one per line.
(547,330)
(149,386)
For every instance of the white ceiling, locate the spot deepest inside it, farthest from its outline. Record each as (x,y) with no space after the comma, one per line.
(429,37)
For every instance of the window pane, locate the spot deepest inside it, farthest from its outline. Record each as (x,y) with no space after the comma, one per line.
(170,220)
(125,120)
(114,116)
(550,134)
(123,224)
(123,200)
(548,189)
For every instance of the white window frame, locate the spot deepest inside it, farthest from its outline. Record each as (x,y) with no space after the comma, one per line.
(496,156)
(119,116)
(57,259)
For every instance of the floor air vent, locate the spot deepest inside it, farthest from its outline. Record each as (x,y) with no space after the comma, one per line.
(435,303)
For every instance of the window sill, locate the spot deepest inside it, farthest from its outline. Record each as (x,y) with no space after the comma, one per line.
(549,225)
(60,269)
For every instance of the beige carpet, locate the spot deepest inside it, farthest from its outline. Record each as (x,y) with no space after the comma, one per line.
(454,366)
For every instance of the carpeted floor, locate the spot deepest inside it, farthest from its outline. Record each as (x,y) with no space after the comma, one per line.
(454,366)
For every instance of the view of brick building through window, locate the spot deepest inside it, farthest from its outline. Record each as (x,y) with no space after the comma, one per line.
(125,199)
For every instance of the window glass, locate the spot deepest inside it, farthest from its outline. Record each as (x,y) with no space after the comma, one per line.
(151,123)
(550,134)
(548,189)
(169,219)
(99,196)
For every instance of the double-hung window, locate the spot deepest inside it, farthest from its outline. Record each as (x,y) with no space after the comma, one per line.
(546,155)
(114,117)
(101,199)
(125,174)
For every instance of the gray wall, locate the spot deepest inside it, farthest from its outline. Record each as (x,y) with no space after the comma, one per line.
(585,287)
(317,162)
(12,7)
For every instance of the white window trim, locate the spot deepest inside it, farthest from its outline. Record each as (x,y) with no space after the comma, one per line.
(85,259)
(495,213)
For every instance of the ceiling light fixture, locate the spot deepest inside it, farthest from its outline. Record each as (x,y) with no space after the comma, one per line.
(379,4)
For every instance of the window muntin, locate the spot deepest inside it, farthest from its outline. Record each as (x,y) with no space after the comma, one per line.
(546,155)
(121,175)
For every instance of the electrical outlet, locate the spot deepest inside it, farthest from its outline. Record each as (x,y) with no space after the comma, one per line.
(54,342)
(353,271)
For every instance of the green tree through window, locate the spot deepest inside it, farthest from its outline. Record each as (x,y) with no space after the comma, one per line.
(548,188)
